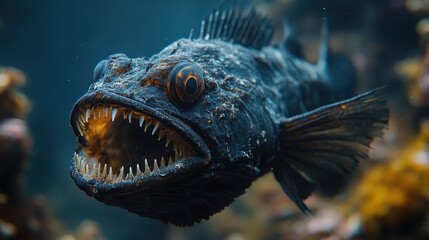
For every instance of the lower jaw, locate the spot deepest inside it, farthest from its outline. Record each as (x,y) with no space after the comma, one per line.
(165,178)
(181,195)
(92,169)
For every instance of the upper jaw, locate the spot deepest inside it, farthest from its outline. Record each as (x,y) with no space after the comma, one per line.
(87,169)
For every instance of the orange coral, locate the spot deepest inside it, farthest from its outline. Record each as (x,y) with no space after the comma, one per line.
(12,102)
(396,194)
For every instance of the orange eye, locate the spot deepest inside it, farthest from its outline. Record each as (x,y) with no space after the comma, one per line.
(185,83)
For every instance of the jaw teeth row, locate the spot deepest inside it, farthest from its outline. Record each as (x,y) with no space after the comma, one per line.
(181,150)
(106,173)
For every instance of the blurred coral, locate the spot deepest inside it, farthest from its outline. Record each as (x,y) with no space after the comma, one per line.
(419,6)
(12,102)
(22,217)
(15,141)
(393,197)
(89,230)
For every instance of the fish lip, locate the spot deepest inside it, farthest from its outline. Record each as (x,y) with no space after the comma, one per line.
(185,167)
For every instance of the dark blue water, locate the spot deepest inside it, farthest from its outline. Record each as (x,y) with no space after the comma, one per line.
(57,44)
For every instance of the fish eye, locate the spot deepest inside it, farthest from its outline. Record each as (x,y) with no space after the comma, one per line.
(185,83)
(99,70)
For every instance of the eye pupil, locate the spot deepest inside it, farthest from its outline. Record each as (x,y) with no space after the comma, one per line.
(191,85)
(185,83)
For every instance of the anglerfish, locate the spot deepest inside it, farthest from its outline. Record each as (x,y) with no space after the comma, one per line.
(178,136)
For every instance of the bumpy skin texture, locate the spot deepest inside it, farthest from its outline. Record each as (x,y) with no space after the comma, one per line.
(247,121)
(247,92)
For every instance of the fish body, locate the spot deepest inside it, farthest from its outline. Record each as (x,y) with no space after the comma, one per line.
(178,136)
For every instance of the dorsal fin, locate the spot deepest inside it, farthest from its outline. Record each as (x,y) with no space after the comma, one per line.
(247,28)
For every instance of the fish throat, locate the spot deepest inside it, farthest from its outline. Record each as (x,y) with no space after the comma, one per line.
(119,144)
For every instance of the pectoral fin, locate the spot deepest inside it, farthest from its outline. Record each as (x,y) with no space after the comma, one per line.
(321,148)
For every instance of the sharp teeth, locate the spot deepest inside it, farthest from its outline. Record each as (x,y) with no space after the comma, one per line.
(94,170)
(121,175)
(138,173)
(81,121)
(86,169)
(146,167)
(87,113)
(155,128)
(106,111)
(77,164)
(155,166)
(162,162)
(82,118)
(130,115)
(127,176)
(131,173)
(79,129)
(141,120)
(161,134)
(99,170)
(110,177)
(168,140)
(94,112)
(176,156)
(114,111)
(82,164)
(99,113)
(146,125)
(170,161)
(103,175)
(76,160)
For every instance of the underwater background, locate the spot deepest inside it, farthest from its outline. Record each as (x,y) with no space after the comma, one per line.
(57,44)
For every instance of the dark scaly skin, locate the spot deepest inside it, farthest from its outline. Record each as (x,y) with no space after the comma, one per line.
(234,107)
(247,92)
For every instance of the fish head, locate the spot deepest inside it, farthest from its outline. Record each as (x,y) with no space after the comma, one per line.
(174,137)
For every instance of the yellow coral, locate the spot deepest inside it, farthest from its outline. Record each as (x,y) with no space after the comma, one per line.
(395,192)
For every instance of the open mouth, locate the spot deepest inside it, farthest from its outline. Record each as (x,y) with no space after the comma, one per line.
(118,143)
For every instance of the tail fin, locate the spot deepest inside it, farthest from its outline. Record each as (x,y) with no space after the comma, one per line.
(320,148)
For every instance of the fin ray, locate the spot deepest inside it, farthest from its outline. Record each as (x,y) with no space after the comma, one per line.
(285,176)
(247,28)
(321,148)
